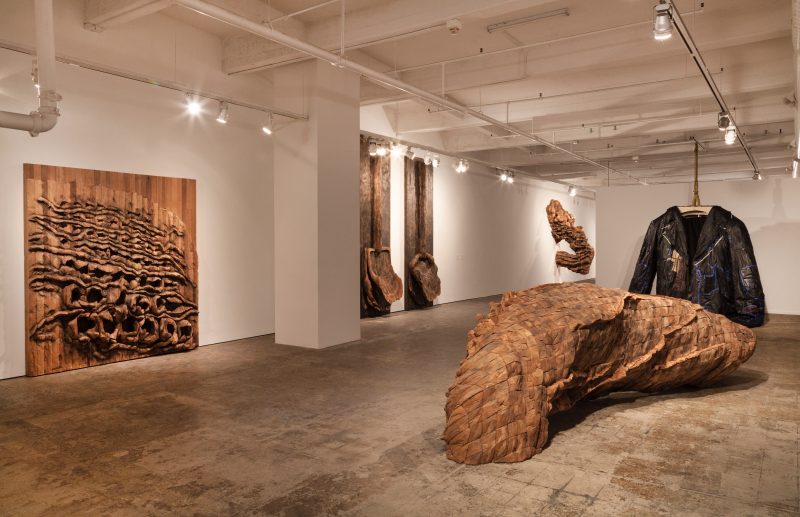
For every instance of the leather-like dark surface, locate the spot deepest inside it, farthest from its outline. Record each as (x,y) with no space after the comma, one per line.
(722,274)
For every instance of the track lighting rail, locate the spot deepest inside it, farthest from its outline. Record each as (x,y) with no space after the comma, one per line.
(688,41)
(170,85)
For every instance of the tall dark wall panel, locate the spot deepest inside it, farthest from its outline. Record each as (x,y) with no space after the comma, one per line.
(421,274)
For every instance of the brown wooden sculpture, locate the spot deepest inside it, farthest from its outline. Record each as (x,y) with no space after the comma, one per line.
(542,350)
(380,285)
(562,225)
(111,274)
(422,275)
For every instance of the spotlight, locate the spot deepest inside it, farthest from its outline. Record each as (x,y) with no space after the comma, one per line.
(409,153)
(572,191)
(794,168)
(462,166)
(396,150)
(504,176)
(428,159)
(510,177)
(662,23)
(435,161)
(373,149)
(267,127)
(193,105)
(757,176)
(222,117)
(723,120)
(730,135)
(381,150)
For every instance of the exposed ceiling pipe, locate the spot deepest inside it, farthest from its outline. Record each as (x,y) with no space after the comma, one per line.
(217,13)
(683,31)
(44,118)
(161,83)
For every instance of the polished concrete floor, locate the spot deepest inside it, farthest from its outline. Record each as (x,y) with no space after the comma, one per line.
(253,428)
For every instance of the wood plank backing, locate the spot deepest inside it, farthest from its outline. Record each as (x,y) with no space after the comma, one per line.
(91,236)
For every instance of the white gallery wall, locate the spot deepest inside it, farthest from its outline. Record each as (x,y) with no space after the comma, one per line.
(489,237)
(770,209)
(114,124)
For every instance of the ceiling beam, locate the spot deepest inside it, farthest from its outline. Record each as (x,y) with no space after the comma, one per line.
(383,21)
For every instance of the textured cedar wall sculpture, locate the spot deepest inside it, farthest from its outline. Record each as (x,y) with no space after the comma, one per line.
(562,225)
(542,350)
(380,285)
(422,274)
(110,267)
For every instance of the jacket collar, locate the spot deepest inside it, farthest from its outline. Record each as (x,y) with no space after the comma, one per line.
(714,225)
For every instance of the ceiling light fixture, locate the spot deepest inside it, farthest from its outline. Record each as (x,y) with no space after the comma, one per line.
(794,167)
(730,135)
(504,176)
(723,120)
(267,127)
(573,191)
(428,159)
(193,105)
(396,150)
(462,166)
(409,153)
(435,161)
(510,177)
(373,148)
(381,150)
(222,117)
(662,22)
(757,176)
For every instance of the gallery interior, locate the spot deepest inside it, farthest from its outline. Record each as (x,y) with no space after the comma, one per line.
(399,257)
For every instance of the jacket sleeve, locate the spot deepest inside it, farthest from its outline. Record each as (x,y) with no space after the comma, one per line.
(748,293)
(645,272)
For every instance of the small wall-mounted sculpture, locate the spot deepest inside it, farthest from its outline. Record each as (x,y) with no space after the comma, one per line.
(562,225)
(422,273)
(380,285)
(110,267)
(542,350)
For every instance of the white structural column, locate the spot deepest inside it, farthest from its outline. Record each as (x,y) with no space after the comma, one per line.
(316,207)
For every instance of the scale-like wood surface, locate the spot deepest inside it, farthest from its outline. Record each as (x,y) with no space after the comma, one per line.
(542,350)
(110,267)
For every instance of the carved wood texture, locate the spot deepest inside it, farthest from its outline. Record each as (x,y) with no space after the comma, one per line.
(542,350)
(111,267)
(380,285)
(422,274)
(562,224)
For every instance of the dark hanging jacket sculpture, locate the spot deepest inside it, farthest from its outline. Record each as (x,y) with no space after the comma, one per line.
(708,260)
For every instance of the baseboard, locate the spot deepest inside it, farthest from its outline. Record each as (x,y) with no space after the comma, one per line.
(783,318)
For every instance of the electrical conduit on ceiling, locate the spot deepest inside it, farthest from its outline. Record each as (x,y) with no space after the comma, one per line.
(258,29)
(44,118)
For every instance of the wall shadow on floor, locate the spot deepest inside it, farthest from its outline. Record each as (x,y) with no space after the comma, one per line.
(742,379)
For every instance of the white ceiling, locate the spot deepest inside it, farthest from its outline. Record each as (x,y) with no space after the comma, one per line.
(594,81)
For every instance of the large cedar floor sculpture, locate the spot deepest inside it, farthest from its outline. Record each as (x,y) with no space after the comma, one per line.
(542,350)
(111,267)
(562,225)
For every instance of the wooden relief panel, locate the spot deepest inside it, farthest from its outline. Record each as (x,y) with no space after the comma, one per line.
(421,273)
(380,285)
(110,267)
